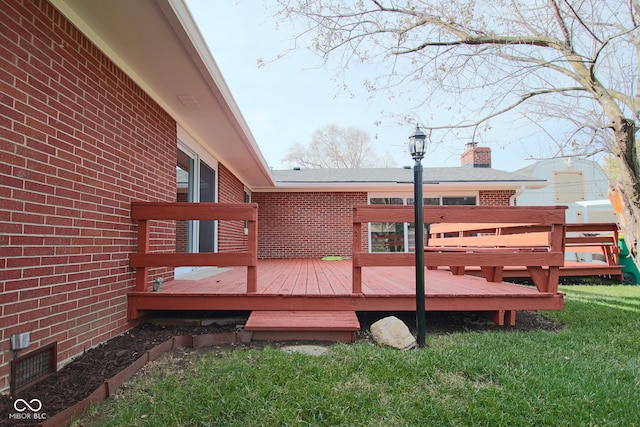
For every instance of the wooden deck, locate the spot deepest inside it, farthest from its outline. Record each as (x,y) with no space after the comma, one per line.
(312,291)
(316,285)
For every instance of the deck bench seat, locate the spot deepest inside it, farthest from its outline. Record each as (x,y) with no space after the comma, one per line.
(532,237)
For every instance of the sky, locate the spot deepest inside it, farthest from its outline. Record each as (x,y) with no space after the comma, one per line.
(285,101)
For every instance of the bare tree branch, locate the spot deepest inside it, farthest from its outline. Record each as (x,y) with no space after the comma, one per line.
(524,98)
(578,58)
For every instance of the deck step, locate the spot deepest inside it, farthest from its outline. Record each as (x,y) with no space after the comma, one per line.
(303,325)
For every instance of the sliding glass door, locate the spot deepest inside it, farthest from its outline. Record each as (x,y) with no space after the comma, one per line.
(207,233)
(196,182)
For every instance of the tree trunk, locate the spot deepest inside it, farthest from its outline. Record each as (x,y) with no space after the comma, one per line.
(628,154)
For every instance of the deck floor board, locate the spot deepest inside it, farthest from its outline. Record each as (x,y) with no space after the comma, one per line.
(327,278)
(273,280)
(327,285)
(339,276)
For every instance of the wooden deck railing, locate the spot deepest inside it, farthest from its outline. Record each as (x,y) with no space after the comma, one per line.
(592,238)
(143,212)
(542,259)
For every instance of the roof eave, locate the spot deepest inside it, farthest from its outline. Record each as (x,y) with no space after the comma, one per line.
(167,57)
(399,186)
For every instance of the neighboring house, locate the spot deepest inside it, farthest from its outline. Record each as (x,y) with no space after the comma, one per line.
(103,102)
(581,185)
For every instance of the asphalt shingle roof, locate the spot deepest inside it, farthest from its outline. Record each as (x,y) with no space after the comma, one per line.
(398,175)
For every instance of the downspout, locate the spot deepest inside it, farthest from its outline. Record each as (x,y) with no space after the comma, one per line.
(512,199)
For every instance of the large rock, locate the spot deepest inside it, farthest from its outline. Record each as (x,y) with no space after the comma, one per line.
(393,332)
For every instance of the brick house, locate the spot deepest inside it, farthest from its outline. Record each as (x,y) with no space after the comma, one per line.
(105,103)
(315,205)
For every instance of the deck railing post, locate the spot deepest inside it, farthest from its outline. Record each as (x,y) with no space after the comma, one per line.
(356,249)
(142,273)
(252,247)
(558,244)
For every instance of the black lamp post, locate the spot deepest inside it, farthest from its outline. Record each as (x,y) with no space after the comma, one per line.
(416,147)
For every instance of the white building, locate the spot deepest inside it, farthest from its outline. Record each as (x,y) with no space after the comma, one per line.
(579,184)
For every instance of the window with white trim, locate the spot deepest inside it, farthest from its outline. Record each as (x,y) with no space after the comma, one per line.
(400,236)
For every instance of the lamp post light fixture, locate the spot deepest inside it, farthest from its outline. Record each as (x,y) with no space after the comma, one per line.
(416,148)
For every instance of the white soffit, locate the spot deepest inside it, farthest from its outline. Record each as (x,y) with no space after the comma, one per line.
(158,45)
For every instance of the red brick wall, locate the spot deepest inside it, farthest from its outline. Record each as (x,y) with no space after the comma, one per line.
(231,236)
(305,225)
(78,142)
(495,197)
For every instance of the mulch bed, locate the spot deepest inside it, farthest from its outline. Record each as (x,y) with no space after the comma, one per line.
(87,372)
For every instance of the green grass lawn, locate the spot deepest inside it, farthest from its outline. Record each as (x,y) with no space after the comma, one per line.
(587,374)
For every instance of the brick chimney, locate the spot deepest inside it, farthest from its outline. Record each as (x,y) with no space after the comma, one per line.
(476,157)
